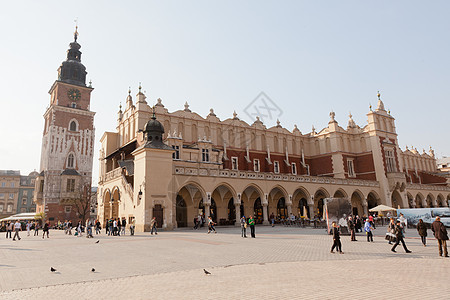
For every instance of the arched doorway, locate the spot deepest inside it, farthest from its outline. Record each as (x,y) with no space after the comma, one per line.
(158,213)
(319,197)
(299,199)
(115,199)
(303,207)
(430,201)
(396,199)
(191,193)
(440,201)
(419,201)
(282,209)
(372,200)
(356,200)
(249,197)
(258,211)
(181,212)
(106,207)
(231,211)
(340,194)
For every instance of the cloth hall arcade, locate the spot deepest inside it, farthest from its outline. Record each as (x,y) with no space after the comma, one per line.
(173,165)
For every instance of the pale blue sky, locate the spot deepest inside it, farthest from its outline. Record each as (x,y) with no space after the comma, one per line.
(310,57)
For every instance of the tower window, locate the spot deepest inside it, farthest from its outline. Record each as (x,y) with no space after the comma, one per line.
(205,155)
(73,125)
(176,154)
(70,185)
(390,160)
(70,161)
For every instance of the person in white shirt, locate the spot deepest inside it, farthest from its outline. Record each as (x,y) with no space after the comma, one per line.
(17,228)
(28,228)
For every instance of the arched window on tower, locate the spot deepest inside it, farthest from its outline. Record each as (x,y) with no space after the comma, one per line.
(70,161)
(73,126)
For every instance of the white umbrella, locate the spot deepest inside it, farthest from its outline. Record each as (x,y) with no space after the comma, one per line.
(380,208)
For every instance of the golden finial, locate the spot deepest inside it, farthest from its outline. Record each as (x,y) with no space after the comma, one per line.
(75,34)
(140,87)
(370,107)
(129,90)
(120,106)
(378,95)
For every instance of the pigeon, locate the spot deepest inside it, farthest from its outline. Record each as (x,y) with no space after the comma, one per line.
(206,272)
(98,241)
(51,269)
(92,270)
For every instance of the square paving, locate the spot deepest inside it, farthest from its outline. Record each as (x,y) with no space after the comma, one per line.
(280,262)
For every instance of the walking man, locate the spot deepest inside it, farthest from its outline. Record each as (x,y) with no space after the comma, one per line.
(17,228)
(336,239)
(251,222)
(351,226)
(368,229)
(211,225)
(399,237)
(124,225)
(440,233)
(9,229)
(36,228)
(133,223)
(422,230)
(45,229)
(243,227)
(153,224)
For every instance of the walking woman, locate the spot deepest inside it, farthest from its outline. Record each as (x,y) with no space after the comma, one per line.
(45,229)
(422,229)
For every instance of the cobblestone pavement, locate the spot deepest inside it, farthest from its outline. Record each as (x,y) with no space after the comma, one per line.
(280,262)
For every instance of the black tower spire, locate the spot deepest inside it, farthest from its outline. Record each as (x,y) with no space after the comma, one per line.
(72,70)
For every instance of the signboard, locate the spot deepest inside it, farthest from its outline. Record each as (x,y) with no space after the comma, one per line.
(428,215)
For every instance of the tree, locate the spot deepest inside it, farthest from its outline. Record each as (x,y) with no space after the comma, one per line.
(82,203)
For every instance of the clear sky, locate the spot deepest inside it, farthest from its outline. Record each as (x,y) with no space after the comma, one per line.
(309,57)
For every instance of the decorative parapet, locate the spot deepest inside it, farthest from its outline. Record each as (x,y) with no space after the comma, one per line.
(270,176)
(416,186)
(114,174)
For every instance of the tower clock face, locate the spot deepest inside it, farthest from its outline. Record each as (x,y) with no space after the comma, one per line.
(74,94)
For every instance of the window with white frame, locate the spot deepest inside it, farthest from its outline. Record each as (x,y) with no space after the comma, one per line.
(205,155)
(70,185)
(1,208)
(11,196)
(3,184)
(9,208)
(2,196)
(70,161)
(67,209)
(294,168)
(276,167)
(350,168)
(176,154)
(256,166)
(13,184)
(234,163)
(390,160)
(24,201)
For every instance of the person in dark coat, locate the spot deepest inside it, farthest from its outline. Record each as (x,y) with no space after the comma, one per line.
(399,237)
(336,239)
(351,226)
(422,230)
(440,233)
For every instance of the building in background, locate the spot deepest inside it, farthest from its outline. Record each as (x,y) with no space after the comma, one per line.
(25,203)
(9,192)
(67,143)
(175,165)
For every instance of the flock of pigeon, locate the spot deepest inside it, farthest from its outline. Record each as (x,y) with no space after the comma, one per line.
(93,270)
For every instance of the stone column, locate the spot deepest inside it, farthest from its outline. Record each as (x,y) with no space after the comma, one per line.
(237,208)
(365,207)
(311,210)
(207,211)
(265,216)
(289,206)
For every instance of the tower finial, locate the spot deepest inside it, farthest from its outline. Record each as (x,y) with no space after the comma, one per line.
(75,34)
(153,114)
(129,90)
(140,87)
(378,95)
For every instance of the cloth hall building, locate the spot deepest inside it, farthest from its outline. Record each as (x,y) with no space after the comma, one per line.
(175,165)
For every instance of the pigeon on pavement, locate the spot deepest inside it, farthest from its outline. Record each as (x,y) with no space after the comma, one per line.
(98,241)
(92,270)
(51,269)
(206,272)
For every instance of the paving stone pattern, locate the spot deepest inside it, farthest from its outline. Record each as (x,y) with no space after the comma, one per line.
(282,262)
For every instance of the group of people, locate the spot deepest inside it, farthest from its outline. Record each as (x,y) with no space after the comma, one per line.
(18,225)
(395,234)
(245,223)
